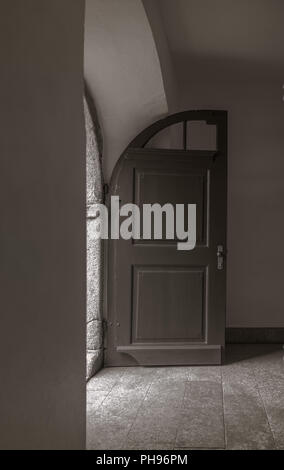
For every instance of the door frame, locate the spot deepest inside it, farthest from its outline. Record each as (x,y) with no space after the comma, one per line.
(210,117)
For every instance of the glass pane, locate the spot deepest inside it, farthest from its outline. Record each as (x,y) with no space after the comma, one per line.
(169,138)
(201,136)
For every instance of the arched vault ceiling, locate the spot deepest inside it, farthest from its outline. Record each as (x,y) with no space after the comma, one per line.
(123,72)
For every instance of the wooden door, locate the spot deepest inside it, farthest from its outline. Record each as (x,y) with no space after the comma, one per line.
(165,306)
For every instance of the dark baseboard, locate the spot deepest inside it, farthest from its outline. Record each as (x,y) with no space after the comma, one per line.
(254,335)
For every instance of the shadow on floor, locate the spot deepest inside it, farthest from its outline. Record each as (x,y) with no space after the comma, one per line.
(237,353)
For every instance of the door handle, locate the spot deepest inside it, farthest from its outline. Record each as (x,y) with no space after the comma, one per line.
(220,257)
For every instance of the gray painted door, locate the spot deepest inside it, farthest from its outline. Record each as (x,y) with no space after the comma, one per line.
(167,307)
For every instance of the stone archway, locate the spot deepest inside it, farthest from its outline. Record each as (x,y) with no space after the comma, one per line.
(94,247)
(122,68)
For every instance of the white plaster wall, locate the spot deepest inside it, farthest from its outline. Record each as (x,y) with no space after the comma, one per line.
(165,56)
(229,54)
(255,186)
(123,73)
(42,237)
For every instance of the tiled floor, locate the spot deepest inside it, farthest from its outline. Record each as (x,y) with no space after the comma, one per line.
(237,406)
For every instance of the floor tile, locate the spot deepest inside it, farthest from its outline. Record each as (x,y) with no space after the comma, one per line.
(103,434)
(270,381)
(105,379)
(171,374)
(202,424)
(154,428)
(207,373)
(246,422)
(96,397)
(139,446)
(239,405)
(159,416)
(165,395)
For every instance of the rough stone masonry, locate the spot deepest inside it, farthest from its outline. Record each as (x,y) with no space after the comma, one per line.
(94,247)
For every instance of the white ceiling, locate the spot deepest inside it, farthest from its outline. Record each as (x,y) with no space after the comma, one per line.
(238,29)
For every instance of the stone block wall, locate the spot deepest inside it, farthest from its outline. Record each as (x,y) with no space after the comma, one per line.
(94,247)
